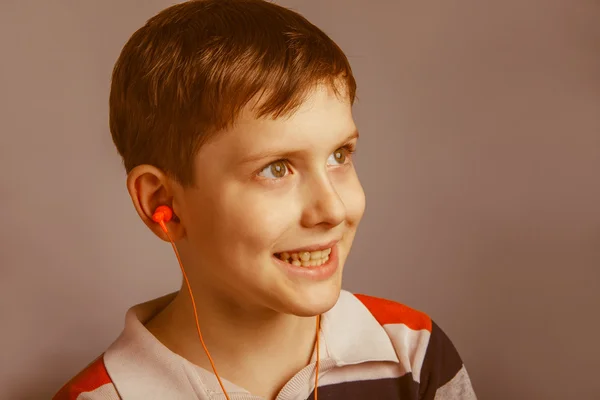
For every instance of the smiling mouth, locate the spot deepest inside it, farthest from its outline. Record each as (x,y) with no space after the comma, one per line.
(305,258)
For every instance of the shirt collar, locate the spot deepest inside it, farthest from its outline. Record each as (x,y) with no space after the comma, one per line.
(353,335)
(137,362)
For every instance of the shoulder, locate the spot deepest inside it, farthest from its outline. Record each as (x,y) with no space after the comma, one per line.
(424,347)
(388,312)
(93,382)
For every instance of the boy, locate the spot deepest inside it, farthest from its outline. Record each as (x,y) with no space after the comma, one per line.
(236,114)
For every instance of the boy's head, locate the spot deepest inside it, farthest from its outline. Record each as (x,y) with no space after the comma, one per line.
(237,114)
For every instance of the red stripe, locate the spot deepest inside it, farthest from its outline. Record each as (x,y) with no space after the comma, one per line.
(390,312)
(92,377)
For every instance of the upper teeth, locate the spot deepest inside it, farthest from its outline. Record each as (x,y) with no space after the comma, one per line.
(306,258)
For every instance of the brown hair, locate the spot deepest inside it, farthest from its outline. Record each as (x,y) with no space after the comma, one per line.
(192,68)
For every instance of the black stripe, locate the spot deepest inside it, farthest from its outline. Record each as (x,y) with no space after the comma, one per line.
(442,362)
(402,388)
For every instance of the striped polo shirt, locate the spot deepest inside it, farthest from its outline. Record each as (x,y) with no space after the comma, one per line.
(370,348)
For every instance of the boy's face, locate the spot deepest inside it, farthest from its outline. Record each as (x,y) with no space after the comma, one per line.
(267,187)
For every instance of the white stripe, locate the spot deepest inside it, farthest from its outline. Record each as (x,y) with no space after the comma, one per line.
(353,335)
(410,346)
(104,392)
(362,372)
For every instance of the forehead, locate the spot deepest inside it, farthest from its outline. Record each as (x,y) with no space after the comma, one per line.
(323,116)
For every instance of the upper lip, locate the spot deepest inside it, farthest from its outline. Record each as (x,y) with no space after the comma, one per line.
(316,247)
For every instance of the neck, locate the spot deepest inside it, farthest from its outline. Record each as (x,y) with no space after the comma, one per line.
(247,346)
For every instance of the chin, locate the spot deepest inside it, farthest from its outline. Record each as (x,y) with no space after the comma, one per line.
(314,300)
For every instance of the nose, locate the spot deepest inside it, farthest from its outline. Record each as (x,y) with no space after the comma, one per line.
(324,206)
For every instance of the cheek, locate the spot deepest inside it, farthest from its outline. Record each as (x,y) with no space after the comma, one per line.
(270,216)
(353,196)
(254,220)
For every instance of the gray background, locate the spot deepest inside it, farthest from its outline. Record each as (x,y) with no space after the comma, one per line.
(479,154)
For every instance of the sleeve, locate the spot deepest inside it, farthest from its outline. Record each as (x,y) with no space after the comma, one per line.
(443,374)
(92,383)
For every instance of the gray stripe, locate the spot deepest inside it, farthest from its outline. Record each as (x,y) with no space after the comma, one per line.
(458,388)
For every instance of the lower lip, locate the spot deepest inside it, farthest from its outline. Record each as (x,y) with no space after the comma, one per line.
(318,273)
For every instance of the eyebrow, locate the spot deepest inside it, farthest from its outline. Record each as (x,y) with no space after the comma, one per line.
(285,154)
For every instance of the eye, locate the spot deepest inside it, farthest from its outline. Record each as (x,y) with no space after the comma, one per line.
(275,170)
(338,157)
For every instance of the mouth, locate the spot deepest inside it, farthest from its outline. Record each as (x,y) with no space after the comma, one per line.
(314,256)
(305,258)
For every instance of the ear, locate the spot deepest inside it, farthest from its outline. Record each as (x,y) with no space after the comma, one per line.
(149,188)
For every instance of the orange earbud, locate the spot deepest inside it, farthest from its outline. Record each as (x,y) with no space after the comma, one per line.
(162,215)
